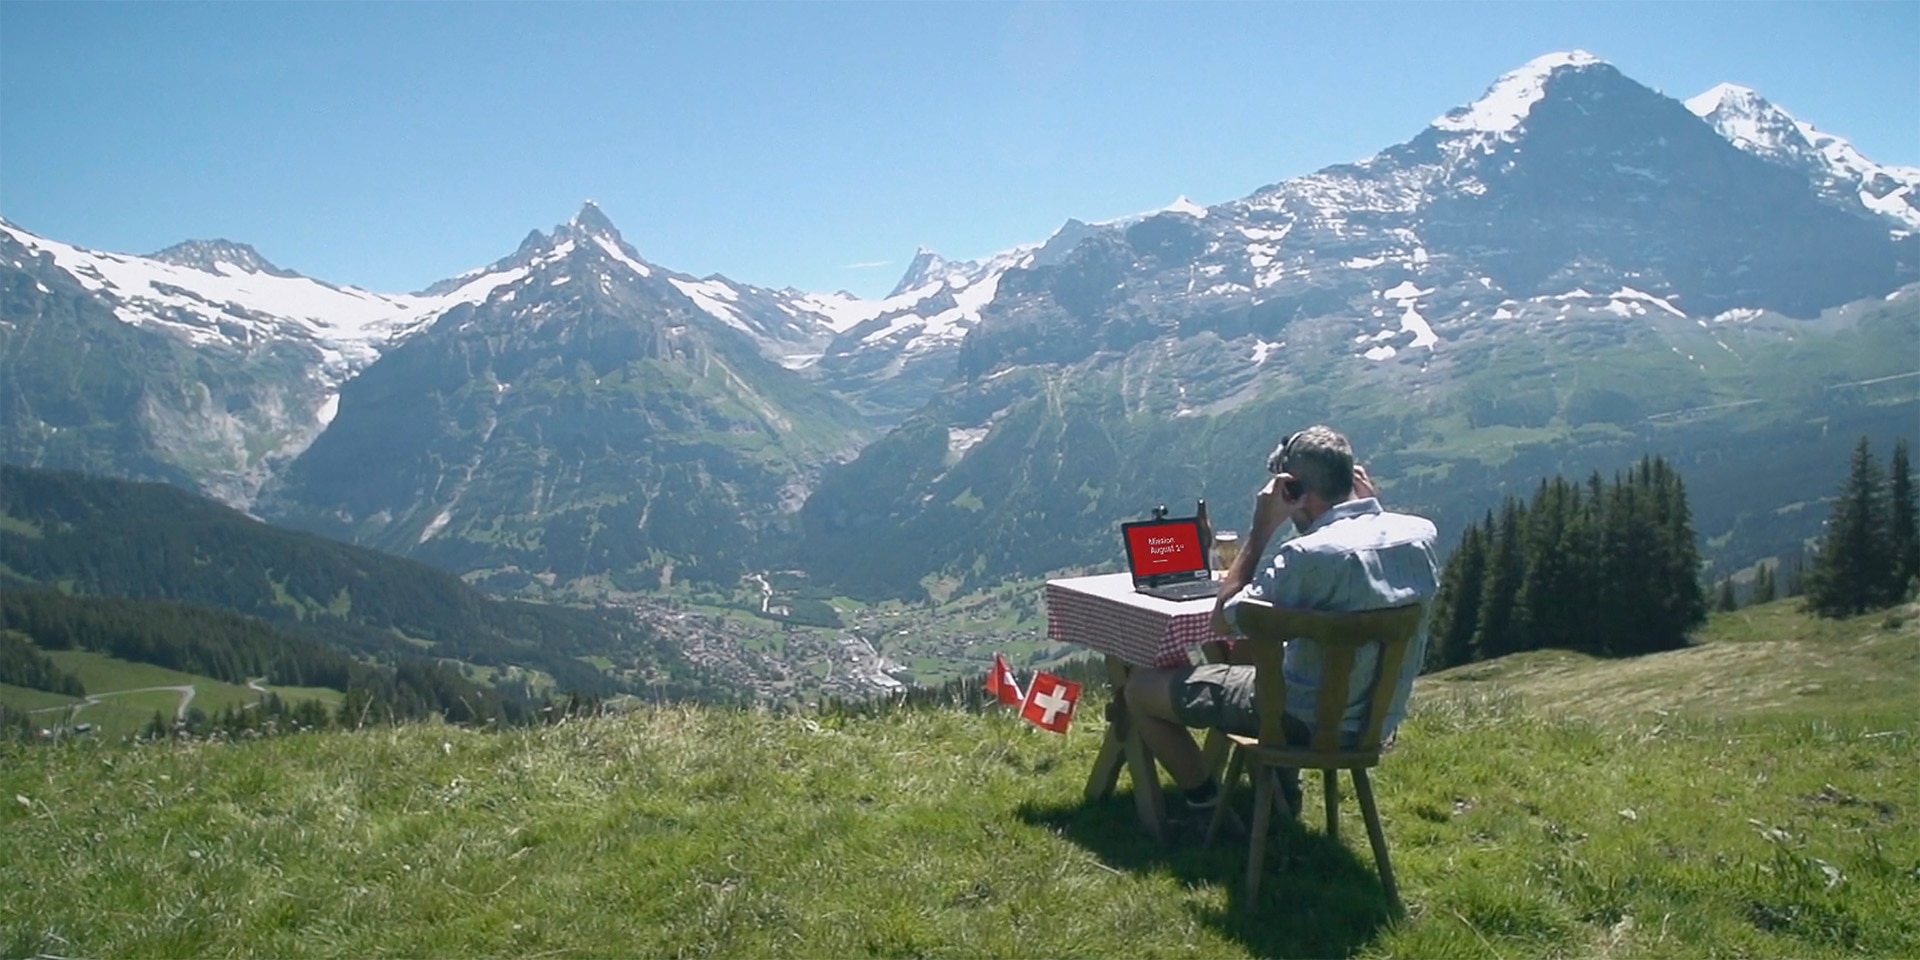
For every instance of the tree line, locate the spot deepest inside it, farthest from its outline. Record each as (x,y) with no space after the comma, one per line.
(1869,557)
(234,649)
(1603,567)
(113,538)
(23,665)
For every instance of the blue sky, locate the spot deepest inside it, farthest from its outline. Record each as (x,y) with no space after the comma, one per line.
(811,145)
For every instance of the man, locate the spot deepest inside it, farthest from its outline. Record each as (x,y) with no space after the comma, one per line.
(1349,555)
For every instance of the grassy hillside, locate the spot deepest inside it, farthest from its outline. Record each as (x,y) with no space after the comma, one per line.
(100,537)
(125,695)
(1524,822)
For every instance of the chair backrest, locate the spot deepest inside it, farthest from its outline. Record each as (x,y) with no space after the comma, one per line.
(1341,636)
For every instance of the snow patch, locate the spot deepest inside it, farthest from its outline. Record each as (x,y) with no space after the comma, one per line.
(1381,352)
(439,523)
(613,250)
(329,408)
(708,296)
(960,439)
(1630,294)
(1261,233)
(1412,322)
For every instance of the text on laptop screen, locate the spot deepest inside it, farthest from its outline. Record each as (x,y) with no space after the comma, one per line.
(1164,548)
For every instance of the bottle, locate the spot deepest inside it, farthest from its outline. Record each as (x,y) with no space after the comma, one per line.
(1206,526)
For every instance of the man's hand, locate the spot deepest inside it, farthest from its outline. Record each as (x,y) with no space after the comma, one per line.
(1362,483)
(1270,508)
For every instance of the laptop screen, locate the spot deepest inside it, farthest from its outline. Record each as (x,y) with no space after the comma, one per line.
(1165,549)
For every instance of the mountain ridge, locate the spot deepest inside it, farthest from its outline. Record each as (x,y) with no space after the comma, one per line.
(1569,220)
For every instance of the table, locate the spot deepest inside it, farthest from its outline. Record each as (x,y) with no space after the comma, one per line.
(1131,629)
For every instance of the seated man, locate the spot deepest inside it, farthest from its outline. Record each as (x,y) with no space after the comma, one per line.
(1349,555)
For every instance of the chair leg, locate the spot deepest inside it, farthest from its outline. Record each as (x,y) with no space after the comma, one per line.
(1363,788)
(1264,788)
(1239,760)
(1330,779)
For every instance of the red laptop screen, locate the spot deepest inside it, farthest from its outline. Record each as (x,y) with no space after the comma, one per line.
(1163,548)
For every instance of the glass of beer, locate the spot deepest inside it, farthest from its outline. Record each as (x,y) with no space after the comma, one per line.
(1226,548)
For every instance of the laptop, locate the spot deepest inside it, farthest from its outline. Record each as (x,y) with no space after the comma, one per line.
(1168,560)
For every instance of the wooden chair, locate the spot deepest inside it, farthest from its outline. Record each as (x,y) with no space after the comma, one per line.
(1341,636)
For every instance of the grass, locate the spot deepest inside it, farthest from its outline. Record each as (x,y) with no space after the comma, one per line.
(1727,825)
(26,698)
(1770,658)
(125,704)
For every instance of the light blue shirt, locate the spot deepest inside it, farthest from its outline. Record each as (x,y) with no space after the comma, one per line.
(1355,557)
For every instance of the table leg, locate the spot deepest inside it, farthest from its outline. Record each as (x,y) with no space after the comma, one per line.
(1147,801)
(1106,768)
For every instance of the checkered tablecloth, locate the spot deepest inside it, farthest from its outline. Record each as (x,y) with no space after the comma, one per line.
(1104,613)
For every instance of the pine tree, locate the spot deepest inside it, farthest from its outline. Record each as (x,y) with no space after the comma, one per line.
(1496,635)
(1683,603)
(1551,610)
(1764,587)
(1626,544)
(1456,611)
(1793,582)
(1723,597)
(1849,575)
(1904,523)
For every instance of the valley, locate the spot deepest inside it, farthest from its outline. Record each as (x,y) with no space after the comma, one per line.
(652,483)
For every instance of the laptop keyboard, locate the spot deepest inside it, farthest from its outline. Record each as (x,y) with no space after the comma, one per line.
(1185,590)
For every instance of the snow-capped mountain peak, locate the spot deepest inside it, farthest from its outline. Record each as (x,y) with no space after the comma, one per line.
(927,267)
(1750,122)
(1506,104)
(1181,204)
(1838,169)
(591,221)
(219,256)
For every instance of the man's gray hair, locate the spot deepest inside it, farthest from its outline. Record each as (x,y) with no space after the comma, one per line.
(1321,459)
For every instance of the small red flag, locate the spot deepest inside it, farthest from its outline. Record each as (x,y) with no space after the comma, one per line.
(1001,684)
(1050,701)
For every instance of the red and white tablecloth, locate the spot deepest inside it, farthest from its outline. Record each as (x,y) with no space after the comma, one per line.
(1103,612)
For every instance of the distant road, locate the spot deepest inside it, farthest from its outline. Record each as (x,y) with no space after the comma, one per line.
(186,692)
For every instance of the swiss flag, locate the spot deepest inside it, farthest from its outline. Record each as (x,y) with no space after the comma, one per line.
(1000,682)
(1049,702)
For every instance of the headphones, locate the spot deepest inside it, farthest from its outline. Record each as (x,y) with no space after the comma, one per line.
(1276,464)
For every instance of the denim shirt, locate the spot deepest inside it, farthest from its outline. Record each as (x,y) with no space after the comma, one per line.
(1355,557)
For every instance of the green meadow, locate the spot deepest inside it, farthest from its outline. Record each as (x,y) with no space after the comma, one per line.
(1754,796)
(125,695)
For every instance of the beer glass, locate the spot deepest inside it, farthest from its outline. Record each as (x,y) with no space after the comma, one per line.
(1226,548)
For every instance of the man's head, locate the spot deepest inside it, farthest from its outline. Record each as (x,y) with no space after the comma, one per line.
(1322,461)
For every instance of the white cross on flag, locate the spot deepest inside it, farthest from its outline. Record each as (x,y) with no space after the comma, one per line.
(1049,702)
(1001,684)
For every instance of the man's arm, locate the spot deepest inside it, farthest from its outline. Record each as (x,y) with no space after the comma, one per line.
(1270,508)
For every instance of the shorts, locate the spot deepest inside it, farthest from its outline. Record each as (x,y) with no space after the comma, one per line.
(1219,696)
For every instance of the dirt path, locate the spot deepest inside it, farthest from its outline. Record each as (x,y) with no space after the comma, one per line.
(185,690)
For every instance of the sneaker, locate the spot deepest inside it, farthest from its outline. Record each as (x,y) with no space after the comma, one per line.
(1202,800)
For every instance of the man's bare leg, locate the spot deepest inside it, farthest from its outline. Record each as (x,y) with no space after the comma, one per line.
(1149,696)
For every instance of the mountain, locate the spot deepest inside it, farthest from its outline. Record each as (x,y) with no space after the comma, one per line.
(594,413)
(1841,174)
(203,364)
(898,350)
(1560,276)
